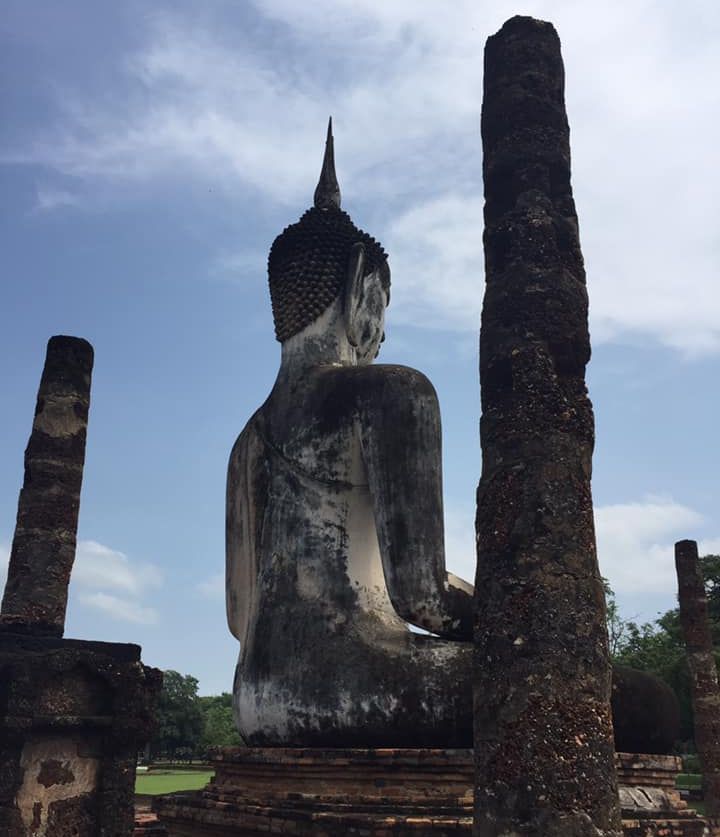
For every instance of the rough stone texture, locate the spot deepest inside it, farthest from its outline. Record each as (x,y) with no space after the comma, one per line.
(408,793)
(673,827)
(73,715)
(148,825)
(384,792)
(703,670)
(43,549)
(543,733)
(328,659)
(647,770)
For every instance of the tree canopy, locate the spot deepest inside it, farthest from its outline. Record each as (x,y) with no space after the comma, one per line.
(658,646)
(218,722)
(188,724)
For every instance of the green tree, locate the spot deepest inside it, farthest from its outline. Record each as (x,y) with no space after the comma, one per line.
(180,720)
(658,646)
(617,627)
(218,723)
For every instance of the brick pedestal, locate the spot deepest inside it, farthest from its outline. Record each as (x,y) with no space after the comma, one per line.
(328,793)
(650,804)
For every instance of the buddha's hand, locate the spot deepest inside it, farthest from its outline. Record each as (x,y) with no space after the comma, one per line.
(460,609)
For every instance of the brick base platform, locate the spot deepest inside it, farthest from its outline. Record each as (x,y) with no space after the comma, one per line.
(649,801)
(327,792)
(147,825)
(403,793)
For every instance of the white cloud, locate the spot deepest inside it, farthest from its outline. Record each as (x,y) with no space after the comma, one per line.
(49,198)
(439,263)
(250,263)
(213,587)
(635,543)
(460,550)
(709,546)
(109,582)
(124,610)
(403,82)
(97,566)
(99,569)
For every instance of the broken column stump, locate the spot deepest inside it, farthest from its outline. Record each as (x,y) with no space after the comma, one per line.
(43,549)
(73,714)
(695,625)
(543,732)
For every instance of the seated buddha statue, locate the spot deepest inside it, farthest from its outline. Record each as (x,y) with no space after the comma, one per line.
(334,535)
(334,528)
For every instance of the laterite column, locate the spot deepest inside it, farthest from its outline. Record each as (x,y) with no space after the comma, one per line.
(703,670)
(43,549)
(543,732)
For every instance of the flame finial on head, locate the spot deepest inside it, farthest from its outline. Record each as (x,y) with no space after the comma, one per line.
(327,192)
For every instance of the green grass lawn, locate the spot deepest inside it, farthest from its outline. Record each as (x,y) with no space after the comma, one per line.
(690,781)
(168,781)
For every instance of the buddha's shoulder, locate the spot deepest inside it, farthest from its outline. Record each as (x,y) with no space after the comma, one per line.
(381,376)
(250,437)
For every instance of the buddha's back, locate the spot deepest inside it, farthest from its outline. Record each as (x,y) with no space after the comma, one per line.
(327,660)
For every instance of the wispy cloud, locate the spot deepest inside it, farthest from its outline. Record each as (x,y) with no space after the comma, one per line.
(119,608)
(460,551)
(439,263)
(108,581)
(99,566)
(635,543)
(250,263)
(213,587)
(49,199)
(404,84)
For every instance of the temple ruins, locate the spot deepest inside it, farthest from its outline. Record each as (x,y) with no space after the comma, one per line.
(335,542)
(703,670)
(73,713)
(355,724)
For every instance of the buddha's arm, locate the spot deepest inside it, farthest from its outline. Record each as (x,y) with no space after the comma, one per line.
(400,435)
(244,514)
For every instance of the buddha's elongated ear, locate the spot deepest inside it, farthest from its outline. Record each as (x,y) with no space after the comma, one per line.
(354,289)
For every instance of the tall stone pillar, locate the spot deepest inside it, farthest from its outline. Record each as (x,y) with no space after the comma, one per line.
(73,713)
(43,549)
(703,670)
(543,732)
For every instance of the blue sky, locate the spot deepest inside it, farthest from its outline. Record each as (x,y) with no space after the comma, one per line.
(150,153)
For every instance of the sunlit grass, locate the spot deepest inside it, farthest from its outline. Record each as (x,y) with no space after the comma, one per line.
(168,781)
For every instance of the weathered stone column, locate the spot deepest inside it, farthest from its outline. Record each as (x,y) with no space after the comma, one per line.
(543,732)
(703,670)
(43,549)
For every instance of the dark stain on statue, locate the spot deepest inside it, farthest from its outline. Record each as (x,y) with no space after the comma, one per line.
(54,772)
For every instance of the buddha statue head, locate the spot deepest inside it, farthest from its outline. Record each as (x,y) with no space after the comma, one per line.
(329,280)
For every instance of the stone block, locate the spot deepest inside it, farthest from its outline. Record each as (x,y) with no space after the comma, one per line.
(73,715)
